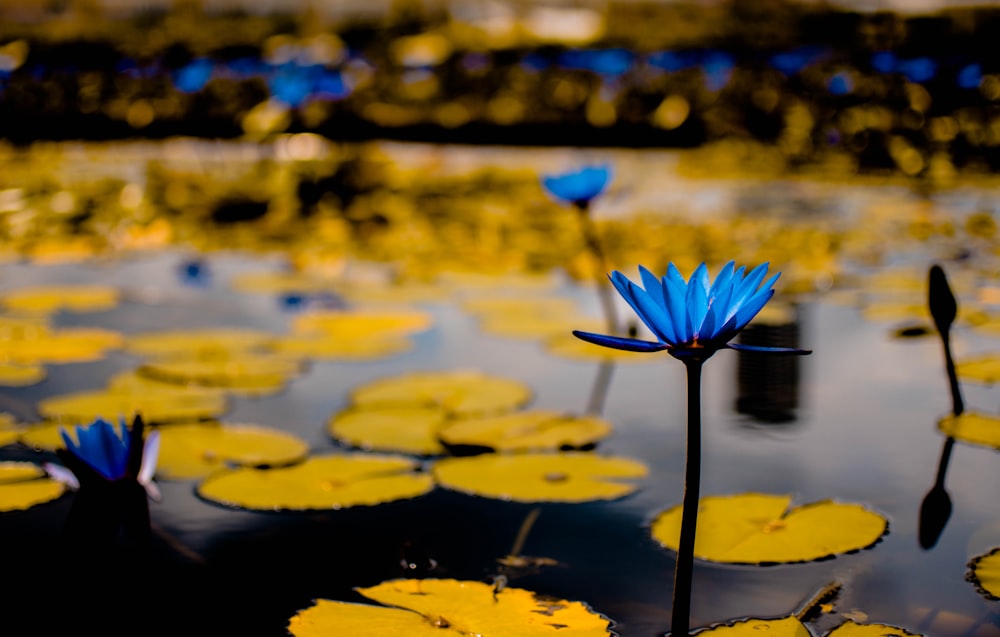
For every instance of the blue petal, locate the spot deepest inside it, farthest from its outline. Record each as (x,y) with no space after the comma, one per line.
(718,302)
(749,310)
(647,309)
(760,349)
(697,299)
(658,294)
(675,291)
(578,186)
(620,342)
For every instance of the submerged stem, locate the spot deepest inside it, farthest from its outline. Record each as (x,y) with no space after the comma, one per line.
(680,621)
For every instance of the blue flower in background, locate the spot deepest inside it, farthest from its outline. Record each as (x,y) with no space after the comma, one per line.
(791,62)
(578,186)
(884,62)
(603,61)
(718,68)
(693,318)
(918,69)
(672,61)
(841,83)
(193,77)
(970,76)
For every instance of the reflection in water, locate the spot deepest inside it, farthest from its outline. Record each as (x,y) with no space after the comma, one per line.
(768,386)
(599,390)
(935,509)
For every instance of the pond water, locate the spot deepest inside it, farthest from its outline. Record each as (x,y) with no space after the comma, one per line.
(855,422)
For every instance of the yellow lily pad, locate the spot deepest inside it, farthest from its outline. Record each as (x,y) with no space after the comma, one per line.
(411,429)
(793,627)
(203,342)
(783,627)
(281,282)
(568,346)
(70,345)
(339,348)
(890,310)
(189,451)
(984,573)
(520,306)
(155,406)
(482,281)
(249,373)
(24,485)
(460,393)
(540,477)
(538,430)
(21,375)
(46,299)
(443,607)
(853,629)
(395,294)
(44,436)
(973,428)
(319,483)
(985,369)
(62,250)
(757,528)
(363,324)
(9,432)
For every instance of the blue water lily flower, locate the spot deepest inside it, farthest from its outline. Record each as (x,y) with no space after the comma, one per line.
(99,449)
(693,318)
(578,186)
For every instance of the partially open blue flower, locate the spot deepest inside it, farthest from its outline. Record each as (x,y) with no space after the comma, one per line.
(578,186)
(697,317)
(99,450)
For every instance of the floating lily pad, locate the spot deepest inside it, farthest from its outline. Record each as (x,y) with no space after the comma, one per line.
(156,406)
(439,608)
(281,282)
(9,432)
(70,345)
(189,451)
(984,573)
(460,393)
(203,342)
(540,477)
(21,375)
(985,369)
(520,306)
(319,483)
(409,429)
(24,485)
(62,250)
(479,281)
(757,528)
(793,627)
(339,348)
(44,436)
(973,428)
(248,373)
(568,346)
(852,629)
(363,324)
(47,299)
(537,430)
(396,294)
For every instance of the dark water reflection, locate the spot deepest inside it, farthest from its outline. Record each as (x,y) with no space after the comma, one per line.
(854,422)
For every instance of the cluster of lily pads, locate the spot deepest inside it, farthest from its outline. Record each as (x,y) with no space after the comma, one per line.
(461,430)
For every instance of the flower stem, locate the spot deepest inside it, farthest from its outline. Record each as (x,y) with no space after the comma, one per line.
(680,620)
(594,245)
